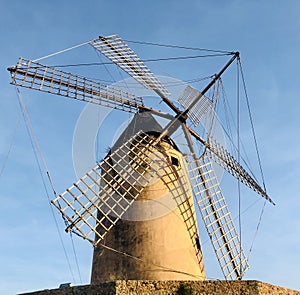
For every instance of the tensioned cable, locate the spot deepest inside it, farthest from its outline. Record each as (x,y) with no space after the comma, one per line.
(178,46)
(125,86)
(257,228)
(137,42)
(239,159)
(215,97)
(229,136)
(252,124)
(174,83)
(135,85)
(227,111)
(39,157)
(109,73)
(76,258)
(10,146)
(143,60)
(61,51)
(236,217)
(229,133)
(154,264)
(262,211)
(98,112)
(258,156)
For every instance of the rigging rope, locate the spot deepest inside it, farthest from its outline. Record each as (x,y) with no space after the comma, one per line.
(228,133)
(257,153)
(61,51)
(212,113)
(154,264)
(98,112)
(239,160)
(224,52)
(38,153)
(76,258)
(135,85)
(257,228)
(251,122)
(178,46)
(106,68)
(143,60)
(158,265)
(40,160)
(10,147)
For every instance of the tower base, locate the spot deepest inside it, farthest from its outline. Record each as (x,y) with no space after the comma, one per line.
(123,287)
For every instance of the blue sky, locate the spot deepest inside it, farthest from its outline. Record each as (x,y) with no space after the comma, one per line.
(267,35)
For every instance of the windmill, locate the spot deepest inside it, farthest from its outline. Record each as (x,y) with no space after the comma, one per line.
(145,164)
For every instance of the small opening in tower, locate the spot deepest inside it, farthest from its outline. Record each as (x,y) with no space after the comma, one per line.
(174,161)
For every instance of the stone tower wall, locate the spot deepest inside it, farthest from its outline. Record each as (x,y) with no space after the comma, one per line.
(133,287)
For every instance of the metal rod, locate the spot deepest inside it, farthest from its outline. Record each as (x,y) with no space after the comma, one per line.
(212,82)
(181,116)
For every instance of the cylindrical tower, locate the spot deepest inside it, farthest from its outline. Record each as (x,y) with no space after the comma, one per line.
(157,238)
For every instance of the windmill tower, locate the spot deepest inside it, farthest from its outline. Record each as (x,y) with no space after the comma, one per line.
(161,229)
(111,206)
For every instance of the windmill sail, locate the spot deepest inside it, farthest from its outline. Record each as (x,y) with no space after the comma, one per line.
(114,48)
(94,204)
(147,167)
(36,76)
(222,157)
(203,106)
(181,192)
(217,218)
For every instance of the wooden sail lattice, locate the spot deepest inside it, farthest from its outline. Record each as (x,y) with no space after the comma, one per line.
(114,48)
(48,79)
(226,160)
(181,192)
(222,157)
(217,218)
(200,109)
(94,204)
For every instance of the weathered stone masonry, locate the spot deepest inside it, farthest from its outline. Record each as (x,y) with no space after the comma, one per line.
(132,287)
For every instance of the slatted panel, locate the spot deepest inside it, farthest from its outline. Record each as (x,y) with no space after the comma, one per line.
(222,157)
(217,218)
(51,80)
(98,200)
(200,109)
(114,48)
(182,194)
